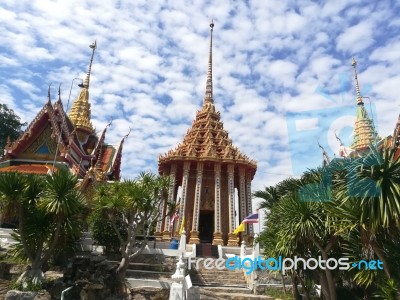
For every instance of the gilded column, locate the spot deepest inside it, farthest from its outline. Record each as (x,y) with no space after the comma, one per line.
(232,238)
(242,194)
(166,233)
(218,240)
(185,180)
(194,234)
(249,202)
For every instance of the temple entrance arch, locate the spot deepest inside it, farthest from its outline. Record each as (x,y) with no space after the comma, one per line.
(206,226)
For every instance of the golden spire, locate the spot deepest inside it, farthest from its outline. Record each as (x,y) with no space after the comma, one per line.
(364,134)
(208,98)
(87,79)
(358,92)
(80,111)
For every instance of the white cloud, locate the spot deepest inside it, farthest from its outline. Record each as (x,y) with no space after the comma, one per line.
(356,38)
(150,67)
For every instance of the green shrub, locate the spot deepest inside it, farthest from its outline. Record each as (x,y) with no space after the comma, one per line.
(103,232)
(26,286)
(278,293)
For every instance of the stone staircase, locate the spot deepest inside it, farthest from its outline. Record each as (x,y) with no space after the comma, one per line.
(150,271)
(220,284)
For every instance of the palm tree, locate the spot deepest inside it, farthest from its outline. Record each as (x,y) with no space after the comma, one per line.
(18,194)
(371,191)
(45,206)
(301,225)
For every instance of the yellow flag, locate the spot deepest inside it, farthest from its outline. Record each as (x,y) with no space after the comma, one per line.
(182,225)
(240,228)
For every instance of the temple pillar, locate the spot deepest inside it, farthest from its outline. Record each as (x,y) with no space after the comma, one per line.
(218,234)
(232,238)
(166,233)
(242,197)
(185,181)
(249,203)
(194,234)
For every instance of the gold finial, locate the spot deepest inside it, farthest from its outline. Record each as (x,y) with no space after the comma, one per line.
(87,79)
(208,98)
(358,92)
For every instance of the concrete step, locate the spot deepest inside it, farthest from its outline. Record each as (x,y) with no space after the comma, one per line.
(231,293)
(215,271)
(221,276)
(219,272)
(225,290)
(222,281)
(152,268)
(147,274)
(219,284)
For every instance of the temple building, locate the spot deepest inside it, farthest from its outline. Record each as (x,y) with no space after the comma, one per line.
(208,170)
(54,140)
(364,132)
(365,135)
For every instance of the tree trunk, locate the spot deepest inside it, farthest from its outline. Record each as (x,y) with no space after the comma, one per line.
(306,291)
(296,294)
(329,278)
(283,284)
(324,286)
(34,274)
(121,276)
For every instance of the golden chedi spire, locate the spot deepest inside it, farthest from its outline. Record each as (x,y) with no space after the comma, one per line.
(364,129)
(207,140)
(80,111)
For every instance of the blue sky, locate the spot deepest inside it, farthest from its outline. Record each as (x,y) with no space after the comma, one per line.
(273,63)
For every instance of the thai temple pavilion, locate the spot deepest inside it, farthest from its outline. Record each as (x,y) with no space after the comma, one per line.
(208,168)
(364,132)
(54,140)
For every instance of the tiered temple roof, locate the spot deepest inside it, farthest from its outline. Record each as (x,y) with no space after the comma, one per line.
(54,139)
(207,140)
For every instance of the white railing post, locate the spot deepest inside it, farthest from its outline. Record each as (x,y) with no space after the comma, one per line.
(182,244)
(243,249)
(177,291)
(193,250)
(220,252)
(256,254)
(256,247)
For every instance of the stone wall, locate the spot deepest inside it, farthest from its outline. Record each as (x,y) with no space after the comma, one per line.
(92,278)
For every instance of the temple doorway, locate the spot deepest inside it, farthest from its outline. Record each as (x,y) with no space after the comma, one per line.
(206,226)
